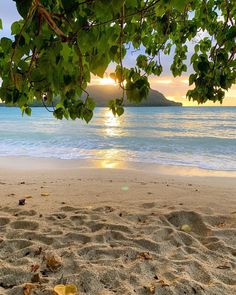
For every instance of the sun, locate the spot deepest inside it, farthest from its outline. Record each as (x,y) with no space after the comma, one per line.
(107,81)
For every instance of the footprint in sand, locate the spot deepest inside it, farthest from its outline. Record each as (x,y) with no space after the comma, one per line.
(193,219)
(13,245)
(4,221)
(68,209)
(148,205)
(24,224)
(27,213)
(79,219)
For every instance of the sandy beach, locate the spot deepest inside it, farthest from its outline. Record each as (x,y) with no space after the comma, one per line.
(114,228)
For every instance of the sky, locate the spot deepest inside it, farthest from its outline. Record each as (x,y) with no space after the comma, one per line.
(173,88)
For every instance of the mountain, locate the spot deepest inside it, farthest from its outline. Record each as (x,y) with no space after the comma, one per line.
(103,93)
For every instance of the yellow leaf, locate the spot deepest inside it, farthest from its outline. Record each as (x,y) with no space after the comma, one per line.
(65,290)
(186,228)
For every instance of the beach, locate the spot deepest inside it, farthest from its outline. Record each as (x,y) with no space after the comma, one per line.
(116,228)
(117,147)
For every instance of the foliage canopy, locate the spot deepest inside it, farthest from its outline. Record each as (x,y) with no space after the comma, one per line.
(58,44)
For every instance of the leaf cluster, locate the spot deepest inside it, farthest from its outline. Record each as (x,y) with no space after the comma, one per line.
(59,44)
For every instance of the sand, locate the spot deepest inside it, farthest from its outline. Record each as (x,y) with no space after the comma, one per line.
(126,230)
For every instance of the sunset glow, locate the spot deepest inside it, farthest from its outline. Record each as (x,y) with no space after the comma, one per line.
(173,88)
(104,81)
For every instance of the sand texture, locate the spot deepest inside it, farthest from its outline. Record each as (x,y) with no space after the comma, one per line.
(117,232)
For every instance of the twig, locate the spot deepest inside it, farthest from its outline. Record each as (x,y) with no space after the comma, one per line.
(51,23)
(121,48)
(29,15)
(45,106)
(126,17)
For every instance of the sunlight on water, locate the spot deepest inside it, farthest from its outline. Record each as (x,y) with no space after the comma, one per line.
(111,123)
(197,137)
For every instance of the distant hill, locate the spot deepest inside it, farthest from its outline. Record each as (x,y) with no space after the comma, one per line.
(103,93)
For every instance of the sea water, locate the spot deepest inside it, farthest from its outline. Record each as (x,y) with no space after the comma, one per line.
(203,137)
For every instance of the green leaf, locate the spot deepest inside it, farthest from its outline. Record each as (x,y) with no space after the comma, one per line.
(28,111)
(203,66)
(6,44)
(44,61)
(99,64)
(15,28)
(0,24)
(142,61)
(18,81)
(192,78)
(23,7)
(58,113)
(117,5)
(120,111)
(231,33)
(90,103)
(87,115)
(180,4)
(69,5)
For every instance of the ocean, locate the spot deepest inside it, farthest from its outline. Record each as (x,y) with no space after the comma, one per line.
(203,137)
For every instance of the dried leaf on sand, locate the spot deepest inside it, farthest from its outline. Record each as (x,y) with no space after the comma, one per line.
(144,255)
(34,267)
(28,288)
(53,261)
(44,194)
(65,290)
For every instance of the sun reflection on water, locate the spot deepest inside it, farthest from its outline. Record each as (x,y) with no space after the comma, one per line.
(112,128)
(112,124)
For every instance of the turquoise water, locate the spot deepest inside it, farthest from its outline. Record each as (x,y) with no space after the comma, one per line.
(201,137)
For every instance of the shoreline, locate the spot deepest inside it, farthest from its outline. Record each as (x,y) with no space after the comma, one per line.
(59,177)
(39,163)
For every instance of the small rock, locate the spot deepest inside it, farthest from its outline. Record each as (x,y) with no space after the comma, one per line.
(22,202)
(44,273)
